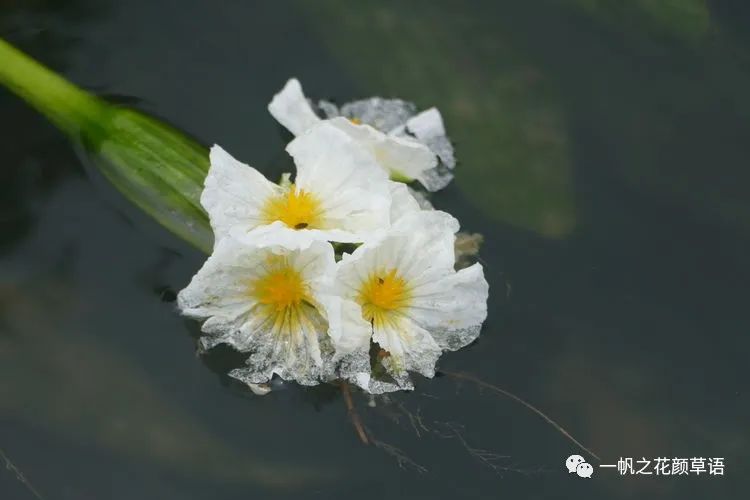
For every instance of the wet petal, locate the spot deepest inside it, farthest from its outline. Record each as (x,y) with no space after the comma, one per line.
(428,128)
(409,348)
(234,194)
(291,108)
(411,296)
(402,201)
(268,302)
(352,188)
(403,158)
(350,336)
(453,308)
(384,115)
(289,346)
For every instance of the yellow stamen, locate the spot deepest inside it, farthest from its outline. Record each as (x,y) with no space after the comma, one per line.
(282,288)
(355,121)
(297,208)
(383,295)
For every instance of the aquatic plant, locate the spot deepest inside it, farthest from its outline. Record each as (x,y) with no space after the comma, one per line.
(389,307)
(270,289)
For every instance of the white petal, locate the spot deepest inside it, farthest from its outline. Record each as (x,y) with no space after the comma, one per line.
(436,178)
(426,125)
(316,265)
(388,126)
(424,237)
(401,157)
(343,175)
(445,310)
(410,348)
(279,234)
(428,128)
(434,243)
(453,308)
(221,281)
(294,345)
(382,114)
(326,154)
(349,332)
(290,348)
(350,335)
(234,194)
(218,291)
(421,245)
(328,109)
(402,201)
(291,108)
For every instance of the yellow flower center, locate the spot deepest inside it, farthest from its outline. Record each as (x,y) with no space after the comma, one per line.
(383,295)
(355,121)
(281,288)
(297,208)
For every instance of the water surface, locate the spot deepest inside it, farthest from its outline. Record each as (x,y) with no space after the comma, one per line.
(602,154)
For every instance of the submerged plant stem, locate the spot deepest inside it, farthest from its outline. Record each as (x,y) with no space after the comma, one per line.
(353,414)
(503,392)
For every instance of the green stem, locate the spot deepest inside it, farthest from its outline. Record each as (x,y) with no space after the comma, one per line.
(67,106)
(157,167)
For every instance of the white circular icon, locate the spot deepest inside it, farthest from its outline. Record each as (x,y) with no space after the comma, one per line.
(572,462)
(584,470)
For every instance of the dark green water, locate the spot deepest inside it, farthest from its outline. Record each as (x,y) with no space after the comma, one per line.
(603,152)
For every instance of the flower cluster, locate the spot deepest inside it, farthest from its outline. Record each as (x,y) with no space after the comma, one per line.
(341,274)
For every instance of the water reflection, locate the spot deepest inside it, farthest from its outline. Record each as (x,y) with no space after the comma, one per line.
(501,108)
(66,379)
(687,20)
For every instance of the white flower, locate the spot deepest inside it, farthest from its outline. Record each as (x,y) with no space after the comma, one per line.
(406,145)
(339,194)
(403,202)
(271,302)
(412,302)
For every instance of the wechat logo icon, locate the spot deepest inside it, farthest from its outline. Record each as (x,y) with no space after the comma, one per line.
(577,464)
